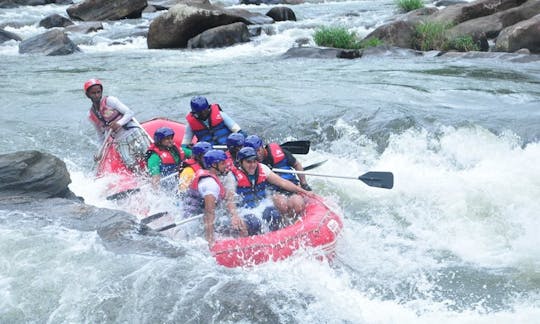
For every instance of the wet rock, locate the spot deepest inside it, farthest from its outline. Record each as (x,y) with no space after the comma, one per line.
(525,34)
(51,43)
(5,36)
(89,10)
(221,36)
(281,14)
(55,20)
(33,174)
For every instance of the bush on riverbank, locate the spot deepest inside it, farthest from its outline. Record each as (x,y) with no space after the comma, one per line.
(340,37)
(434,36)
(409,5)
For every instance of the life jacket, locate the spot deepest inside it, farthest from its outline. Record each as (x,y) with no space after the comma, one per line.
(231,162)
(279,160)
(215,133)
(194,202)
(105,115)
(168,163)
(191,162)
(251,193)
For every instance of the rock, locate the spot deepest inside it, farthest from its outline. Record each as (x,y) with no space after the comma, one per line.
(5,36)
(320,52)
(89,10)
(33,174)
(281,14)
(167,4)
(17,3)
(467,11)
(398,33)
(271,2)
(221,36)
(51,43)
(179,24)
(85,27)
(525,34)
(55,20)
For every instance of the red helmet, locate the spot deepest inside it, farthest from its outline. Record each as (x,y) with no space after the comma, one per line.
(92,82)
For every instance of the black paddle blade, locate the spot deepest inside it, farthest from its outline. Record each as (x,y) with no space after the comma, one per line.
(378,179)
(297,147)
(153,217)
(123,194)
(314,165)
(164,228)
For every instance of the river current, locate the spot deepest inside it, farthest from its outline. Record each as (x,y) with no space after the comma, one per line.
(455,241)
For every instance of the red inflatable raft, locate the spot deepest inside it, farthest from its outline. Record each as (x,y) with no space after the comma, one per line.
(318,228)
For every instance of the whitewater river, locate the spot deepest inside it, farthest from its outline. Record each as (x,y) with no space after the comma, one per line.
(455,241)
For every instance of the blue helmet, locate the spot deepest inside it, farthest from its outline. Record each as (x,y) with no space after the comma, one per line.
(245,153)
(201,148)
(161,133)
(198,104)
(235,139)
(213,156)
(253,141)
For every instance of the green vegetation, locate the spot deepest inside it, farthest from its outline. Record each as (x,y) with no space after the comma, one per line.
(434,36)
(431,36)
(340,37)
(463,44)
(409,5)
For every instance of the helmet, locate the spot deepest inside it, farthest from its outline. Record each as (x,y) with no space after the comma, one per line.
(253,141)
(161,133)
(235,139)
(198,104)
(245,153)
(201,148)
(214,156)
(92,82)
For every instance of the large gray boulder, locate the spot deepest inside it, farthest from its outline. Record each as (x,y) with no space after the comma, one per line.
(53,42)
(55,20)
(525,34)
(33,174)
(221,36)
(89,10)
(179,24)
(281,14)
(467,11)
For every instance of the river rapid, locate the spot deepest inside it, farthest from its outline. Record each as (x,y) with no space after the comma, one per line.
(455,241)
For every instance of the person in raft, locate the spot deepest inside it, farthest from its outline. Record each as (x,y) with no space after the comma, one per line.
(253,180)
(193,164)
(163,158)
(275,156)
(110,116)
(209,123)
(212,188)
(235,142)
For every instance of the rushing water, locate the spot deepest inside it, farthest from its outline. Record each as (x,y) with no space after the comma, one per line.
(455,241)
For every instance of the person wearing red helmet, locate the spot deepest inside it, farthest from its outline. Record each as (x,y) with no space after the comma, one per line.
(109,113)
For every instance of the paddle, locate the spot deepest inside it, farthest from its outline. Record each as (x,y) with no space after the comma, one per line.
(153,217)
(373,179)
(295,147)
(126,193)
(102,148)
(182,222)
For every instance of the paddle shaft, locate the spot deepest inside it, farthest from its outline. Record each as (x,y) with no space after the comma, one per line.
(373,178)
(182,222)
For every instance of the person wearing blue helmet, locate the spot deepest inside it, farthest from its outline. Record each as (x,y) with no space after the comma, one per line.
(254,182)
(193,164)
(163,156)
(208,191)
(209,123)
(235,142)
(275,156)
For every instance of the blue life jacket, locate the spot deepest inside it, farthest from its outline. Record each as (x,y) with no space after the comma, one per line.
(251,193)
(215,133)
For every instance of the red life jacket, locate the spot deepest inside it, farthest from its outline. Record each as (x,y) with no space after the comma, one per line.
(251,194)
(105,115)
(215,133)
(191,162)
(168,163)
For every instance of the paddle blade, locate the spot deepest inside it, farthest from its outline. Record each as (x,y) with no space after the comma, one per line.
(378,179)
(297,147)
(151,218)
(314,165)
(123,194)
